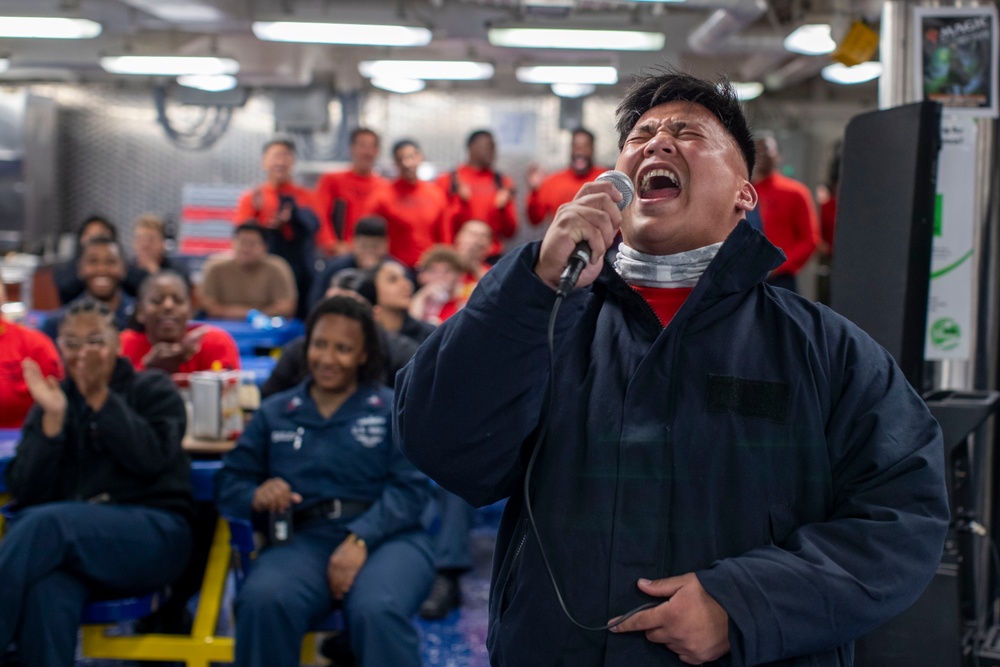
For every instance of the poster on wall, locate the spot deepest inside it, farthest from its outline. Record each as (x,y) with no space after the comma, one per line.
(957,58)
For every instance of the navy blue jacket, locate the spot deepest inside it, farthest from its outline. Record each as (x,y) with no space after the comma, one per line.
(760,441)
(351,456)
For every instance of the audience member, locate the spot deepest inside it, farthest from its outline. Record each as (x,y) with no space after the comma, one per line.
(324,452)
(548,193)
(104,486)
(414,210)
(472,243)
(169,341)
(252,279)
(101,267)
(69,285)
(394,294)
(370,247)
(341,195)
(396,349)
(16,344)
(149,247)
(787,210)
(477,191)
(440,278)
(287,213)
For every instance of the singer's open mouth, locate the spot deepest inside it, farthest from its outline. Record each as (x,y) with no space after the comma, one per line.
(658,184)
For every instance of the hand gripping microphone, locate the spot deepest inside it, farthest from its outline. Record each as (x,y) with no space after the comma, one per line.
(581,254)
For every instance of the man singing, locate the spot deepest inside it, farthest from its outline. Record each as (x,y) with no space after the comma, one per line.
(749,464)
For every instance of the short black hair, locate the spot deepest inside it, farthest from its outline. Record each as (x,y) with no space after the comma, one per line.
(360,281)
(88,305)
(667,84)
(374,226)
(279,141)
(148,281)
(371,370)
(476,134)
(100,220)
(250,226)
(583,130)
(358,131)
(403,143)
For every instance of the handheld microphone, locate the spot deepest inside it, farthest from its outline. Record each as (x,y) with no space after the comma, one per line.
(580,257)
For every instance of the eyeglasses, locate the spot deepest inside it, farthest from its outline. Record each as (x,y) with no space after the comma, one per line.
(76,344)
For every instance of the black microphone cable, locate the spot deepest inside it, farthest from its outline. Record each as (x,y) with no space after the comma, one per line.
(527,495)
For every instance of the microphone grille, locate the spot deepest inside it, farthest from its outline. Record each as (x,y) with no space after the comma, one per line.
(622,183)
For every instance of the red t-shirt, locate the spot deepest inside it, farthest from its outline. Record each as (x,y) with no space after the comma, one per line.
(482,203)
(216,346)
(415,217)
(555,191)
(354,189)
(665,301)
(18,343)
(789,216)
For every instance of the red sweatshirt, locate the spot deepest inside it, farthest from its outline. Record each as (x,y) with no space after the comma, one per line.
(481,204)
(262,202)
(415,214)
(790,221)
(216,346)
(354,189)
(555,191)
(18,343)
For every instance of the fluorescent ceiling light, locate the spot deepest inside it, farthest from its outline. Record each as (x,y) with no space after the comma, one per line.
(455,70)
(43,27)
(811,39)
(169,65)
(749,90)
(342,33)
(840,73)
(214,83)
(567,74)
(400,85)
(544,38)
(179,11)
(573,89)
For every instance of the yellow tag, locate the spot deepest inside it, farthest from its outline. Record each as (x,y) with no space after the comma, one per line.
(858,46)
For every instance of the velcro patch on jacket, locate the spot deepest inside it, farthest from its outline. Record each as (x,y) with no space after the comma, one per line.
(749,398)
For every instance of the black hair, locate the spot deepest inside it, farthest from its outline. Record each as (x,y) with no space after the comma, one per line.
(287,143)
(250,226)
(87,305)
(99,219)
(476,134)
(371,370)
(667,84)
(403,143)
(148,281)
(585,131)
(360,281)
(371,225)
(358,131)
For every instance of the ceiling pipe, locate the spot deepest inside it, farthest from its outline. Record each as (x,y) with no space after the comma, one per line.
(713,35)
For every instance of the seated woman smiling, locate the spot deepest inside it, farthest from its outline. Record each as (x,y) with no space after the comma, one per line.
(170,341)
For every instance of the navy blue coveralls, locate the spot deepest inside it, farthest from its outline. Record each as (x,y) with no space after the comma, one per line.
(350,456)
(759,441)
(107,511)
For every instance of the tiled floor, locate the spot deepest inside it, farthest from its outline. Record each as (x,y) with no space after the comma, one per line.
(459,640)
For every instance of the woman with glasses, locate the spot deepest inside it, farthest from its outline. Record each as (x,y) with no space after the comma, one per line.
(104,489)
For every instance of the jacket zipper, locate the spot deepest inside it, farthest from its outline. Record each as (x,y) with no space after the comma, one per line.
(509,581)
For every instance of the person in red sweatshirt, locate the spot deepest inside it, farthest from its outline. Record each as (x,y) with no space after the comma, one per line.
(414,210)
(287,212)
(548,193)
(477,191)
(340,195)
(16,344)
(787,209)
